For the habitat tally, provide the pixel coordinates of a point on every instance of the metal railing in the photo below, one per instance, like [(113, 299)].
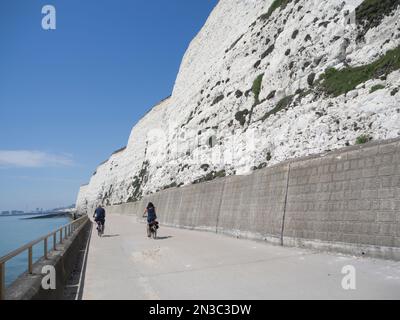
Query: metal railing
[(58, 236)]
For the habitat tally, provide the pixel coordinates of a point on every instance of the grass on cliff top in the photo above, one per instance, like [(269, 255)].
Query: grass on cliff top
[(338, 82), (277, 4)]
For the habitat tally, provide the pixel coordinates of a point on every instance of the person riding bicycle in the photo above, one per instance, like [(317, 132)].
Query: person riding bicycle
[(100, 216), (150, 212)]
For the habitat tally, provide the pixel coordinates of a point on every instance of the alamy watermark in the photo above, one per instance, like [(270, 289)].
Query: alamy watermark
[(349, 280), (49, 20), (49, 279)]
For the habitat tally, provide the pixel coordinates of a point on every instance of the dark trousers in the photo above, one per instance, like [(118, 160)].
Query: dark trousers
[(148, 230)]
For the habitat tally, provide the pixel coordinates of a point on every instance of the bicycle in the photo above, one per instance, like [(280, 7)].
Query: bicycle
[(100, 228), (153, 229)]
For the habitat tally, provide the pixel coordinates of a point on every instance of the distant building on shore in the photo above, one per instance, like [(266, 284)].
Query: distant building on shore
[(5, 213), (13, 212)]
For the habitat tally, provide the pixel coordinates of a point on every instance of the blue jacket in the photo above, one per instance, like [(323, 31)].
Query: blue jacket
[(100, 214), (151, 215)]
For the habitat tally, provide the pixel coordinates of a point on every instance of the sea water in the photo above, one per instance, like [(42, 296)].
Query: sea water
[(16, 231)]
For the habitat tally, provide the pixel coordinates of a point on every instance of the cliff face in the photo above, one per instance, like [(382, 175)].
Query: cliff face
[(264, 81)]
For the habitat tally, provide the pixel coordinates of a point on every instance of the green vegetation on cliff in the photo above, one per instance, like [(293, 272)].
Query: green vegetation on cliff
[(277, 4), (257, 88), (138, 181), (211, 176), (370, 13), (376, 88), (281, 105), (337, 82), (364, 138)]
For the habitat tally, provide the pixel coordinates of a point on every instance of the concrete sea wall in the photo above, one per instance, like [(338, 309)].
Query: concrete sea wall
[(347, 201)]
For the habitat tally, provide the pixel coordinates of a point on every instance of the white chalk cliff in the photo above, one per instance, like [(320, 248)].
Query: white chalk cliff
[(258, 86)]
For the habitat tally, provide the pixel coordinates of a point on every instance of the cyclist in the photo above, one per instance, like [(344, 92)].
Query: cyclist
[(150, 212), (100, 218)]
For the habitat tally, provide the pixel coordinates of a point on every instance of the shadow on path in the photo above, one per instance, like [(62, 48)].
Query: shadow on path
[(110, 235), (164, 238)]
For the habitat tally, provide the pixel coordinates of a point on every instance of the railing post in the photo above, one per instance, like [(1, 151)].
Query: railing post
[(65, 232), (45, 248), (2, 281), (30, 264)]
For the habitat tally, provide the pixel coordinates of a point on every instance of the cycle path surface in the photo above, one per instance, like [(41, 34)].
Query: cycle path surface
[(195, 265)]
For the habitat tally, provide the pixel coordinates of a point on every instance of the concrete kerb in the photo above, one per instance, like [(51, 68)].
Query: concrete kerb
[(359, 250)]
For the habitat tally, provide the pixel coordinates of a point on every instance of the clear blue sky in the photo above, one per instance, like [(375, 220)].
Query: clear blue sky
[(69, 97)]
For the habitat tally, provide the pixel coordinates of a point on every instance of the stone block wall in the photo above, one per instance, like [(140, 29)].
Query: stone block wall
[(347, 200)]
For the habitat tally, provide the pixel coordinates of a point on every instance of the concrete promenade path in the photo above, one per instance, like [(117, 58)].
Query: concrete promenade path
[(185, 264)]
